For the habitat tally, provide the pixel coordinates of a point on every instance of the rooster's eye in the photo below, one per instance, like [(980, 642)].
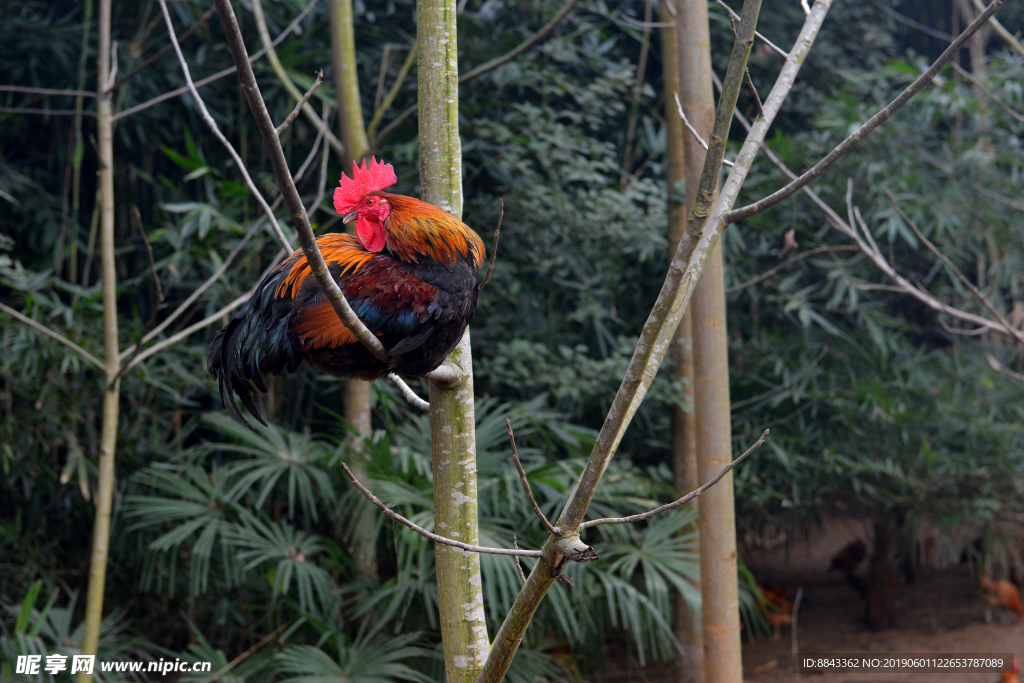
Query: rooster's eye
[(369, 202)]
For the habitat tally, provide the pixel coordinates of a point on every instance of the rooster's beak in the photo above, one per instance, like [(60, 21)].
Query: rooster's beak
[(350, 217)]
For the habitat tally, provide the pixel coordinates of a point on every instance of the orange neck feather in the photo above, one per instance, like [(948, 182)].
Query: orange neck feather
[(416, 229)]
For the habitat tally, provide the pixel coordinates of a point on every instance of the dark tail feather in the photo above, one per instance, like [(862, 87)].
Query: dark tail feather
[(224, 367), (254, 343)]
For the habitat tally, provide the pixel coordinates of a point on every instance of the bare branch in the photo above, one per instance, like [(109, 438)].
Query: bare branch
[(284, 180), (205, 322), (220, 136), (693, 131), (526, 484), (494, 247), (778, 50), (409, 394), (431, 536), (757, 98), (998, 367), (1010, 329), (632, 519), (302, 102), (47, 91), (799, 257), (46, 112), (322, 191), (792, 380), (286, 80), (954, 330), (389, 99), (805, 7), (776, 423), (53, 335), (981, 86), (983, 191), (1001, 30), (519, 566), (644, 24), (137, 219), (903, 286), (217, 76), (923, 28), (167, 48), (880, 117)]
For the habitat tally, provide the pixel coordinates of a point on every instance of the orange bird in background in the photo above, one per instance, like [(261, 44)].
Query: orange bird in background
[(411, 274)]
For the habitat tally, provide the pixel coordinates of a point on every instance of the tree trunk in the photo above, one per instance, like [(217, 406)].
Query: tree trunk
[(684, 452), (353, 136), (111, 386), (883, 575), (719, 590), (452, 420)]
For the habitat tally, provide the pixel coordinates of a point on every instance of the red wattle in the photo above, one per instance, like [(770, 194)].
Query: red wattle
[(370, 234)]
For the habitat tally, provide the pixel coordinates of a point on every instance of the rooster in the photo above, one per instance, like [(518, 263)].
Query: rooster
[(1000, 593), (410, 274), (778, 608)]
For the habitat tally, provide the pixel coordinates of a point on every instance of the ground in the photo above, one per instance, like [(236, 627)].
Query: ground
[(940, 611)]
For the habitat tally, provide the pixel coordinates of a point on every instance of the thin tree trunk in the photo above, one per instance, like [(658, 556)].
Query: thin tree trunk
[(684, 456), (452, 420), (111, 386), (352, 132), (719, 590)]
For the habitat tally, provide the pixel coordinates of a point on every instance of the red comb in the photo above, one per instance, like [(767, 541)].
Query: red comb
[(363, 181)]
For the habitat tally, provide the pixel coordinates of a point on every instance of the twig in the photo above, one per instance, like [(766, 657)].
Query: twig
[(494, 247), (519, 566), (50, 112), (323, 168), (47, 91), (966, 333), (54, 335), (389, 99), (286, 80), (242, 657), (983, 191), (799, 257), (757, 98), (1001, 30), (774, 390), (205, 322), (486, 67), (632, 519), (645, 24), (272, 144), (981, 86), (382, 74), (431, 536), (776, 423), (778, 50), (302, 102), (1010, 329), (526, 484), (693, 131), (167, 48), (923, 28), (220, 136), (806, 8), (149, 252), (880, 117), (217, 76), (999, 367), (409, 394)]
